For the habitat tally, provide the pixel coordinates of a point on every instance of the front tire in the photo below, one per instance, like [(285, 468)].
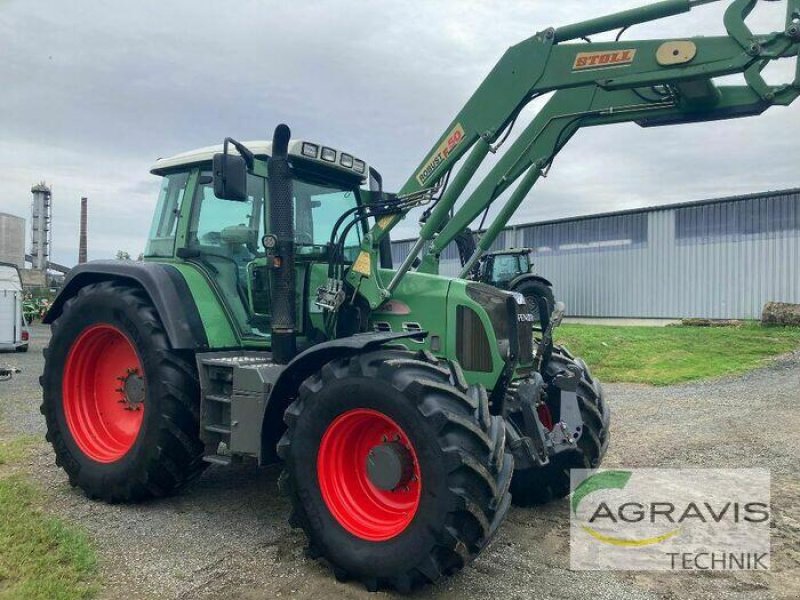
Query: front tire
[(122, 408), (440, 487), (536, 486)]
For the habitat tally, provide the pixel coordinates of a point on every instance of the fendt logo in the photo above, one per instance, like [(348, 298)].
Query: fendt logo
[(603, 60)]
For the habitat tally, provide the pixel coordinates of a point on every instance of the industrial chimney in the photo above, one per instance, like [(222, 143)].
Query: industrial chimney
[(82, 240)]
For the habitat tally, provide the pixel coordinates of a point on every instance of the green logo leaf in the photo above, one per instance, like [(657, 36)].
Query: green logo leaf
[(605, 480)]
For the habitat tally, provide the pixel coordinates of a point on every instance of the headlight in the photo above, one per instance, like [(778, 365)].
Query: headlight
[(310, 150), (329, 154)]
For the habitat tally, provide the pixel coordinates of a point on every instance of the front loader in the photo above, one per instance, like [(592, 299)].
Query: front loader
[(268, 324)]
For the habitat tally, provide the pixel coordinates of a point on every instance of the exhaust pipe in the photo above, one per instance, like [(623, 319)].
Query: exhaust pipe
[(281, 199)]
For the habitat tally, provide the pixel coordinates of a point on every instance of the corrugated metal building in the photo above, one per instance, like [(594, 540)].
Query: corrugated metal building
[(719, 259)]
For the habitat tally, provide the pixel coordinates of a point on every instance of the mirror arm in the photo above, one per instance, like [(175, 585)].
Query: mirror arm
[(377, 179), (243, 150)]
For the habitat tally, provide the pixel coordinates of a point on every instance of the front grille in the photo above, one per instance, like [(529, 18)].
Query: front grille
[(472, 343), (510, 319), (524, 338), (382, 327), (495, 303)]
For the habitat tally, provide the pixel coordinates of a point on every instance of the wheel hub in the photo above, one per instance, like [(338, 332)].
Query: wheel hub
[(390, 466), (132, 390)]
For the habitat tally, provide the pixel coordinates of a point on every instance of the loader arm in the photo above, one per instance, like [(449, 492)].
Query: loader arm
[(652, 83)]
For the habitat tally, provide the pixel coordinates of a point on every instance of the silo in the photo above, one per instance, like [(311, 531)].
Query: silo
[(12, 240)]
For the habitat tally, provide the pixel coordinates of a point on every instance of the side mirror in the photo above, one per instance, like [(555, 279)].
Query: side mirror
[(230, 177)]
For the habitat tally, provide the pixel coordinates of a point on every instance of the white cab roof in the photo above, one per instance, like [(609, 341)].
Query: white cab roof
[(263, 148)]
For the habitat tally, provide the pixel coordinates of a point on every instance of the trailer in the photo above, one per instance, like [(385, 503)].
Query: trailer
[(13, 330)]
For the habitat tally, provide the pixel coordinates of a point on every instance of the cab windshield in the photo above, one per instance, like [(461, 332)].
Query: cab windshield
[(318, 208), (508, 266)]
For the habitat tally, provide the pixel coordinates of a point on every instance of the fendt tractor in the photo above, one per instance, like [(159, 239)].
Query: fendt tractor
[(511, 269), (268, 323)]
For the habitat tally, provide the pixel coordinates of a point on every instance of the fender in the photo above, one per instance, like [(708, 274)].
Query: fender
[(164, 285), (528, 277), (306, 364)]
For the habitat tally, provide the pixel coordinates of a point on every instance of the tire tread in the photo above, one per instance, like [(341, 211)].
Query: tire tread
[(479, 470)]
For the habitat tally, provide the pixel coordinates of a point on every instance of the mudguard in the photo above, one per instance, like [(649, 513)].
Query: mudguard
[(164, 284), (528, 277), (303, 366)]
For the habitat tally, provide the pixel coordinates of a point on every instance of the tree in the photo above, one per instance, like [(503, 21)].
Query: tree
[(123, 255)]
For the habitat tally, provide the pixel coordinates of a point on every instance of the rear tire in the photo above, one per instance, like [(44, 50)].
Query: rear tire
[(541, 485), (458, 475), (115, 445)]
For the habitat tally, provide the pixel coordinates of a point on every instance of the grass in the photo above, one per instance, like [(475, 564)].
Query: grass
[(668, 355), (13, 451), (41, 557)]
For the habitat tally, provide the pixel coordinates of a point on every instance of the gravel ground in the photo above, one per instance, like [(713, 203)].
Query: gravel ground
[(227, 535)]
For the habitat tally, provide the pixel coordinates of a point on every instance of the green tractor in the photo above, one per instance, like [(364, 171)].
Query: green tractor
[(267, 322), (511, 269), (30, 310)]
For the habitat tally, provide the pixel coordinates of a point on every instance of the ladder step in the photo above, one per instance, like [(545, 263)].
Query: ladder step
[(218, 429), (216, 398), (216, 459)]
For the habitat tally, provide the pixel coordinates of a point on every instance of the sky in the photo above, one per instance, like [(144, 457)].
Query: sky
[(92, 93)]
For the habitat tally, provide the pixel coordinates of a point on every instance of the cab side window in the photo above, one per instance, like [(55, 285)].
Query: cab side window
[(161, 241), (227, 235)]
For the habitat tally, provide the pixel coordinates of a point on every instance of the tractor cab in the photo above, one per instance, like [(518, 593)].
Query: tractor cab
[(224, 237), (502, 267)]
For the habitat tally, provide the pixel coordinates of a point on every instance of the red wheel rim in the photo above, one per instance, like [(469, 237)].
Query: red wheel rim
[(102, 417), (545, 416), (363, 509)]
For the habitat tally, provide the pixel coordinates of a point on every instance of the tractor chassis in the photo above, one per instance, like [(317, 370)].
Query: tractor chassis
[(243, 394), (238, 391)]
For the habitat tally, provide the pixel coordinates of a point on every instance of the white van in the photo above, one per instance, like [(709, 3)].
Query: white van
[(13, 333)]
